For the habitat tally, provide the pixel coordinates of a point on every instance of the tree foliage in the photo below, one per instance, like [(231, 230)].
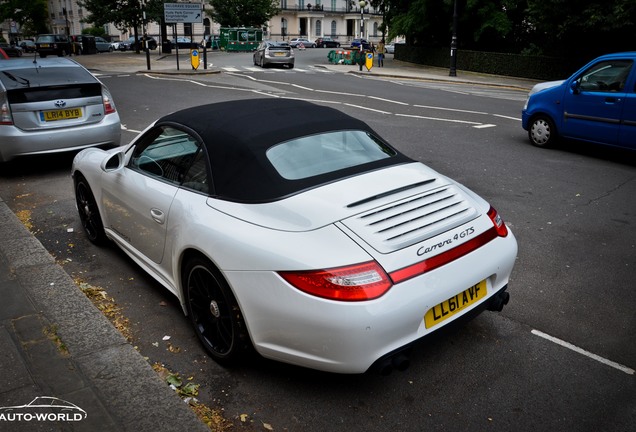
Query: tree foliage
[(557, 27), (247, 13), (31, 15), (124, 14)]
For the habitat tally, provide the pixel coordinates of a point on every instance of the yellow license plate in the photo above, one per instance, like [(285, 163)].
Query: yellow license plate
[(279, 54), (455, 304), (44, 45), (62, 114)]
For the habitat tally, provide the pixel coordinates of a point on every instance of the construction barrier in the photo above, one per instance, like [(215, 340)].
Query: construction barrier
[(347, 57)]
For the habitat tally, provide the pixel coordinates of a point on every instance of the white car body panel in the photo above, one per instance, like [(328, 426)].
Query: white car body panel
[(315, 229)]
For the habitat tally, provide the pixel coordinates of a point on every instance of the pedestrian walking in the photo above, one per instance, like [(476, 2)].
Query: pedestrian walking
[(381, 50)]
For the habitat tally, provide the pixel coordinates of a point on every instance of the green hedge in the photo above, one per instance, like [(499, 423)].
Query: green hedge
[(515, 65)]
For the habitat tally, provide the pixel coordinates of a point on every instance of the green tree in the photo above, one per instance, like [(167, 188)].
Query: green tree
[(124, 14), (582, 27), (31, 15), (248, 13)]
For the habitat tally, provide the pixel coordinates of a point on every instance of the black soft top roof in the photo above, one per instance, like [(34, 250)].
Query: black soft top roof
[(238, 133)]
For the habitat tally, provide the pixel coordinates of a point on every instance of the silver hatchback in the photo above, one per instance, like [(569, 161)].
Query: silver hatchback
[(53, 105), (274, 53)]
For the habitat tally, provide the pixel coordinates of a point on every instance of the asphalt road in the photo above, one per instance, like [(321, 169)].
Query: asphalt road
[(572, 210)]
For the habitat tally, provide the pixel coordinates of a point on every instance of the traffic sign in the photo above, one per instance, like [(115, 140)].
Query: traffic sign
[(182, 13), (368, 60), (194, 59)]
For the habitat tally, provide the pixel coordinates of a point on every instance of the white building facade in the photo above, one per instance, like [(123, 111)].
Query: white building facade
[(338, 19)]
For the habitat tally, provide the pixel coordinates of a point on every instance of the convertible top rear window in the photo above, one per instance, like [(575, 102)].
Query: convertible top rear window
[(324, 153)]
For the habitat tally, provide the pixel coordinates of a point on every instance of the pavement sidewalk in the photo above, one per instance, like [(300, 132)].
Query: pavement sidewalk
[(96, 369), (55, 343)]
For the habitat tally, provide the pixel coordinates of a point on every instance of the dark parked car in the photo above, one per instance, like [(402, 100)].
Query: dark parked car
[(53, 44), (28, 46), (130, 44), (597, 104), (357, 42), (11, 50), (83, 44), (274, 53), (327, 42)]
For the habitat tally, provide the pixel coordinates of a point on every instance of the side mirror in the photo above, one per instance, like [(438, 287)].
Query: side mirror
[(575, 86), (113, 163)]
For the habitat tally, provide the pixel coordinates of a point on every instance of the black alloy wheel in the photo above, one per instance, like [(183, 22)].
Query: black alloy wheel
[(88, 211), (214, 312)]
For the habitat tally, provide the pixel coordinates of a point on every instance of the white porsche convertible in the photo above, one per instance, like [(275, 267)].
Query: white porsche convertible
[(305, 235)]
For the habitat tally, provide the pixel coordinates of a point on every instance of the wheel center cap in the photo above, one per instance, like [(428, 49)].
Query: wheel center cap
[(214, 309)]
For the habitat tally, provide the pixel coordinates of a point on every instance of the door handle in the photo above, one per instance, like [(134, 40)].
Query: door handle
[(158, 216)]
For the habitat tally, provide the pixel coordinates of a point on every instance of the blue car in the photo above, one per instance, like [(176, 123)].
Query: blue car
[(597, 104)]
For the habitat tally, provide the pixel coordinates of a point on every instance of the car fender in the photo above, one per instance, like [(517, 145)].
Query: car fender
[(548, 102), (235, 245)]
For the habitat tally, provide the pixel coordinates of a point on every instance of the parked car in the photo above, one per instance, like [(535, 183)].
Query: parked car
[(184, 42), (130, 44), (28, 46), (115, 45), (211, 41), (11, 50), (53, 105), (53, 44), (274, 53), (327, 42), (596, 104), (357, 42), (103, 45), (83, 44), (297, 42), (305, 235)]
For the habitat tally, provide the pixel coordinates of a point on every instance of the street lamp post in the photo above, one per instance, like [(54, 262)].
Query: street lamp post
[(453, 62), (362, 5), (145, 36)]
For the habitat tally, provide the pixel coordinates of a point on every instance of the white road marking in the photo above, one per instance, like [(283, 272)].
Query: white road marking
[(593, 356)]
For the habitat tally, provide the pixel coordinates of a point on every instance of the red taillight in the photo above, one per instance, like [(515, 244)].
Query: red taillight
[(358, 282), (499, 223), (5, 113), (109, 105)]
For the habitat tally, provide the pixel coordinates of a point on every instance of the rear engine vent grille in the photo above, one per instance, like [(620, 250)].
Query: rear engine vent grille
[(414, 219)]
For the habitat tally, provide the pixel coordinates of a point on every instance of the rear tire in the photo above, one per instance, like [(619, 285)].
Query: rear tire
[(542, 132), (214, 312)]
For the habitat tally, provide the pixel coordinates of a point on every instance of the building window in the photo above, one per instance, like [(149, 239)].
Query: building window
[(333, 29), (318, 28), (375, 29), (283, 4), (283, 27), (333, 5)]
